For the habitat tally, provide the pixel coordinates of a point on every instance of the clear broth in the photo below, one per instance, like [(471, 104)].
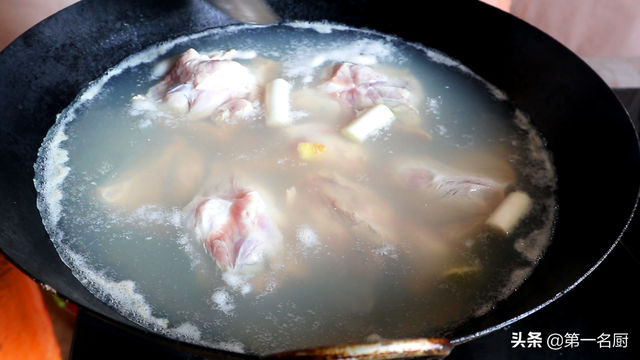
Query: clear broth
[(321, 289)]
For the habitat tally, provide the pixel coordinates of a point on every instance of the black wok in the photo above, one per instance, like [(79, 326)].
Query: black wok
[(594, 145)]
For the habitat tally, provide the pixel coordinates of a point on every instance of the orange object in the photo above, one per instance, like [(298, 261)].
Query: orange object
[(26, 331)]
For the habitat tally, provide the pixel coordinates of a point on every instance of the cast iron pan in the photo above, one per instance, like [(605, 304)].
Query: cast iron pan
[(594, 145)]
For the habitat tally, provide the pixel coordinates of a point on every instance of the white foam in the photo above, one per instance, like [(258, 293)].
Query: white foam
[(540, 166), (233, 346), (161, 68), (433, 106), (532, 246), (223, 301), (186, 331), (324, 27), (50, 174), (147, 215), (144, 123), (240, 54), (126, 299), (185, 243), (364, 51), (298, 114), (386, 250), (237, 282), (105, 168), (307, 238)]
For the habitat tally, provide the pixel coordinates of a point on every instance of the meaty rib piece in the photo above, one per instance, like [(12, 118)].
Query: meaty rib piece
[(197, 84), (234, 227), (232, 111), (320, 107), (363, 87), (365, 215), (447, 194), (172, 177), (348, 77)]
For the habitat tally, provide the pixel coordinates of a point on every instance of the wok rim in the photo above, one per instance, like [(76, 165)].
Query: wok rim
[(190, 347)]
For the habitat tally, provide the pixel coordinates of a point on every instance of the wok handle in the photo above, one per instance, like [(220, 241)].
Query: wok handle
[(432, 348)]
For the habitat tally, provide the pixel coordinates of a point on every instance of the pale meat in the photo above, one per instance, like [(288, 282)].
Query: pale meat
[(363, 87), (197, 84), (232, 112), (234, 227), (364, 214), (264, 70), (173, 177), (320, 107), (446, 194)]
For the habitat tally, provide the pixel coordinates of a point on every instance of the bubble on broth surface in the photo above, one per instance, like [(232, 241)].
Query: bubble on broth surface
[(223, 301), (142, 262), (534, 244), (366, 52), (124, 297), (386, 250), (306, 237)]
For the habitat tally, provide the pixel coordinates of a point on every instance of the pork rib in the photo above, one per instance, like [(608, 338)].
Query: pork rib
[(233, 226), (197, 84), (447, 194), (363, 87)]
